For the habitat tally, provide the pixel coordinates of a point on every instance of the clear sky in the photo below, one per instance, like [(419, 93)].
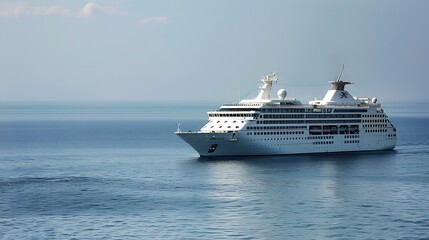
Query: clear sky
[(211, 50)]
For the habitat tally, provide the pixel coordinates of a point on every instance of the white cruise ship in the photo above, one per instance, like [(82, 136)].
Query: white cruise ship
[(275, 126)]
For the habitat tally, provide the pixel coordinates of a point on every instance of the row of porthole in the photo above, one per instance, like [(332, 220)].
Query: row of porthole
[(351, 141), (279, 139), (374, 125), (376, 130), (374, 120), (324, 142), (321, 137), (275, 127), (288, 144), (351, 136), (227, 127), (314, 143), (374, 116), (231, 115), (275, 133), (227, 121), (312, 138)]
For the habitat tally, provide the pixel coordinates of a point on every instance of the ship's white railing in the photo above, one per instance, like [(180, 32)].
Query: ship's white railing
[(244, 105)]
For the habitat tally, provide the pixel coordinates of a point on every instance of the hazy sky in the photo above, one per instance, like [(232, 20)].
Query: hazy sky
[(211, 50)]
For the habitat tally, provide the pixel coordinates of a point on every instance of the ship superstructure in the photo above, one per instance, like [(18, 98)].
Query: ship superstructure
[(274, 126)]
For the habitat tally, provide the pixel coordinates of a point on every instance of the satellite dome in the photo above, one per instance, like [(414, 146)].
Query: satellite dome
[(374, 100), (282, 94)]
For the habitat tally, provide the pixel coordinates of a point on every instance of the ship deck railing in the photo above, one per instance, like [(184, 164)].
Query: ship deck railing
[(244, 104)]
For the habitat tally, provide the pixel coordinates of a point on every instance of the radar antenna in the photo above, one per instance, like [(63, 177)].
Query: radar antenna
[(341, 73), (338, 84)]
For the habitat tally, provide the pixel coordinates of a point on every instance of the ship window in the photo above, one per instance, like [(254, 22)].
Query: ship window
[(220, 126), (236, 126), (229, 126)]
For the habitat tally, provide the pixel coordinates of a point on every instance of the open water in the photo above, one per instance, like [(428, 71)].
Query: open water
[(116, 171)]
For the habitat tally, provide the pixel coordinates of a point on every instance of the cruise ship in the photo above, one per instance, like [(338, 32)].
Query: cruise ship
[(277, 126)]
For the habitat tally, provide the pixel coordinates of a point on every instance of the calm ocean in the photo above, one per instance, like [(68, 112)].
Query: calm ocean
[(117, 171)]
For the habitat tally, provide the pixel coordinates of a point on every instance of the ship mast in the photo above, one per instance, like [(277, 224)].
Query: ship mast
[(265, 86), (338, 84)]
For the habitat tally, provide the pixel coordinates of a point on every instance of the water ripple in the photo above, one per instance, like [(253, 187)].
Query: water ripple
[(111, 185)]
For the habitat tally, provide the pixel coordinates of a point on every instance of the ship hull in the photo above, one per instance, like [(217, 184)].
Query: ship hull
[(236, 144)]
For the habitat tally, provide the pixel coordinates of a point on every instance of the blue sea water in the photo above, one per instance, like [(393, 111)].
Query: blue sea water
[(116, 171)]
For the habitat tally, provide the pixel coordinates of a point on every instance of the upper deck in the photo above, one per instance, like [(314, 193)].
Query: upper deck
[(335, 97)]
